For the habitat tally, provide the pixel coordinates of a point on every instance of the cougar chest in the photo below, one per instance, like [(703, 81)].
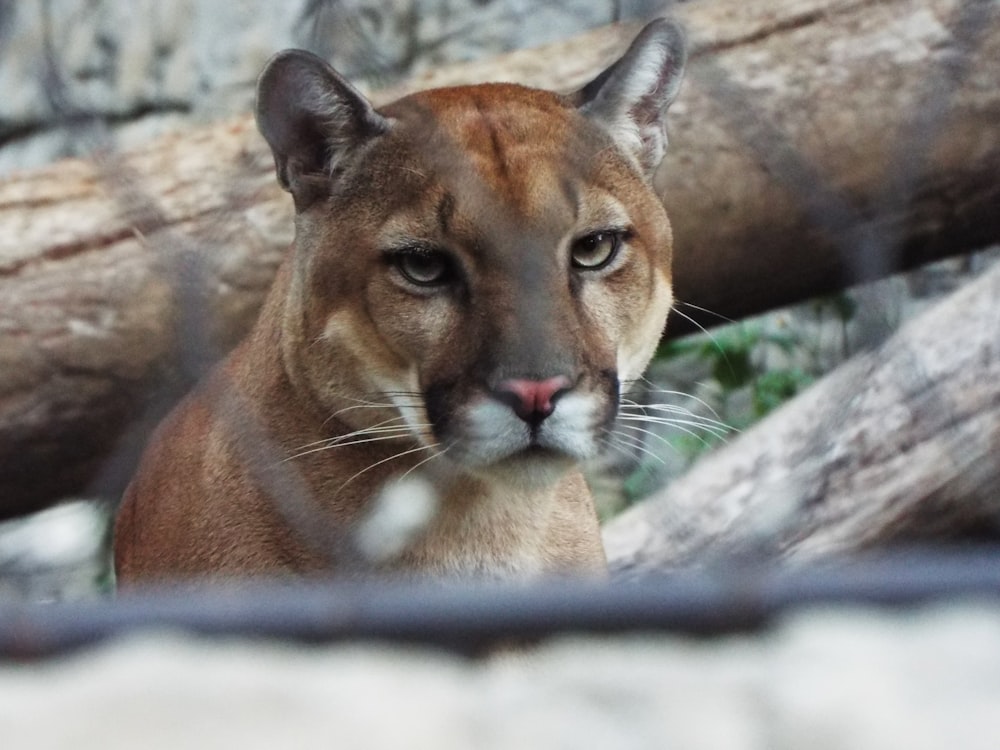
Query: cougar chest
[(492, 530)]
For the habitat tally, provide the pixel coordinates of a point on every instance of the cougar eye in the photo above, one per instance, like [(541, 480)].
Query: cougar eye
[(595, 250), (422, 266)]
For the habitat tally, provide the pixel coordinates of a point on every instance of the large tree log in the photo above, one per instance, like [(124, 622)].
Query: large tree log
[(805, 124), (897, 446)]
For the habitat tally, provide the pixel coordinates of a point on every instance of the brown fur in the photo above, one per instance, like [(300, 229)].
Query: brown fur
[(503, 179)]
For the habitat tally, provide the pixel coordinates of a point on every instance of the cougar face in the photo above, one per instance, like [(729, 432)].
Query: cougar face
[(476, 273), (487, 263)]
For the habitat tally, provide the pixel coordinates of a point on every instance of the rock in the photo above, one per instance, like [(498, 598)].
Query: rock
[(81, 71), (56, 554), (857, 680), (86, 74)]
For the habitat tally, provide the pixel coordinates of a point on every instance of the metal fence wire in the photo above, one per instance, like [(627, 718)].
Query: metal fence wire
[(473, 616)]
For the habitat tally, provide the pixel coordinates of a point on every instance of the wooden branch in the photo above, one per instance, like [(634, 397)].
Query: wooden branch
[(899, 445), (792, 165), (824, 143)]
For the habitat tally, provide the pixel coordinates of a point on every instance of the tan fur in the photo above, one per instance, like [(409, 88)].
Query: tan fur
[(503, 179)]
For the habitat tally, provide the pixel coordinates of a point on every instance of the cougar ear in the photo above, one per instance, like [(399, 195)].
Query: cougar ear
[(630, 99), (310, 115)]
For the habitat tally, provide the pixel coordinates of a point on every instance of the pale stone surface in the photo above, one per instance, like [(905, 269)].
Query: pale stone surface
[(821, 680), (56, 554), (77, 75), (75, 72)]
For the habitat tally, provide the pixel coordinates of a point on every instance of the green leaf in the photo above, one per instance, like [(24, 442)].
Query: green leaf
[(844, 306), (733, 368), (774, 388), (677, 347)]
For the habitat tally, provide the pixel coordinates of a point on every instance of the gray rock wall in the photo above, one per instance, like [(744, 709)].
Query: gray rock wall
[(76, 75)]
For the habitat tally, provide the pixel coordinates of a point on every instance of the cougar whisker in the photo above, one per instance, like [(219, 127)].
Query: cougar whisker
[(635, 444), (662, 438), (711, 337), (699, 308), (436, 454), (692, 422), (384, 424), (393, 457), (651, 388), (401, 433)]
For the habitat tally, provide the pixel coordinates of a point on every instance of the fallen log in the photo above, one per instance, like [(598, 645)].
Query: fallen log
[(793, 171), (898, 446)]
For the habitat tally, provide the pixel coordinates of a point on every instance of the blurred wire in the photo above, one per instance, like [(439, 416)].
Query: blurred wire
[(470, 617)]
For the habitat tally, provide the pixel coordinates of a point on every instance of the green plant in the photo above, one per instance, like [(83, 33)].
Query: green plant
[(744, 372)]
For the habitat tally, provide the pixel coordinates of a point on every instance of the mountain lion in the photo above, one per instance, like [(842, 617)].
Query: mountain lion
[(476, 271)]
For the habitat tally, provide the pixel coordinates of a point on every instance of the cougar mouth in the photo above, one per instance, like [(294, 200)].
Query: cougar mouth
[(489, 432), (536, 452)]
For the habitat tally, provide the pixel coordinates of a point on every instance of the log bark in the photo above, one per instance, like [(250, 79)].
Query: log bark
[(897, 446), (792, 172), (825, 143)]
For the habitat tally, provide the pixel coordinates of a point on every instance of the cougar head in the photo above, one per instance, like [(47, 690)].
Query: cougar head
[(486, 264)]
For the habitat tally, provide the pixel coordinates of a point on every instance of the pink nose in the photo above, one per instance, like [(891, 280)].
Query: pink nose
[(532, 400)]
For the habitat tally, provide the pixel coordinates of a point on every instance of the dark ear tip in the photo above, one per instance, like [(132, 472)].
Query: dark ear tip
[(287, 56), (668, 33), (284, 64), (281, 85)]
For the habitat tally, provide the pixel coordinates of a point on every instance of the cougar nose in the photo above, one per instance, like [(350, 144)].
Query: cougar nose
[(532, 400)]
